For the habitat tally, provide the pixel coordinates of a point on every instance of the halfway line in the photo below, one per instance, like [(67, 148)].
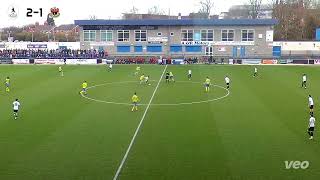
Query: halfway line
[(138, 129)]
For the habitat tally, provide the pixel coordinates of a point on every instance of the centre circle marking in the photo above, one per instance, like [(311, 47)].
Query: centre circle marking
[(168, 104)]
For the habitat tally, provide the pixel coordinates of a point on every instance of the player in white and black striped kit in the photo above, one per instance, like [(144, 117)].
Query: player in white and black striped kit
[(312, 121), (311, 104), (227, 80), (16, 106), (189, 74), (304, 81)]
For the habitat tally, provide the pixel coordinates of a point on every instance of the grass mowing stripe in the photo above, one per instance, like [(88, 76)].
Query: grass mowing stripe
[(138, 128)]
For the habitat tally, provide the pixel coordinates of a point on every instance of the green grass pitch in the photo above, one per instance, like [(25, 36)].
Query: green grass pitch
[(247, 135)]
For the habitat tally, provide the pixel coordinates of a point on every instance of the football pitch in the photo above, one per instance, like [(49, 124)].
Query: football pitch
[(180, 132)]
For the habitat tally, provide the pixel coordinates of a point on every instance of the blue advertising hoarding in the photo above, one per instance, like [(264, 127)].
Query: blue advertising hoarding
[(318, 34)]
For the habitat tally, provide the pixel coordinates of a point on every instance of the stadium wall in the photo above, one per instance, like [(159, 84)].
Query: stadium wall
[(299, 48), (40, 45), (159, 61), (168, 38)]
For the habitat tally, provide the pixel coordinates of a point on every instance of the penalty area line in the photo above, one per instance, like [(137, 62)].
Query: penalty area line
[(138, 128)]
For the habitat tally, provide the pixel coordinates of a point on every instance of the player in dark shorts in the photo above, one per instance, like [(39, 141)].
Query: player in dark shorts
[(311, 104), (311, 107), (312, 121), (167, 77), (189, 74)]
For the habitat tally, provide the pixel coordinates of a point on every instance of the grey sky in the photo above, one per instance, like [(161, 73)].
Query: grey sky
[(103, 9)]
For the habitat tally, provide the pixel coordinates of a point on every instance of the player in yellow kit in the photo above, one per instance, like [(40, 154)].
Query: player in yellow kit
[(60, 71), (137, 70), (171, 76), (84, 88), (135, 100), (207, 84), (142, 79), (7, 84)]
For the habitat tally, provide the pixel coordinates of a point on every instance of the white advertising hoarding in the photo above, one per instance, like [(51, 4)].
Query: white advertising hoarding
[(317, 61), (81, 61), (45, 61), (158, 39), (40, 45), (251, 61), (104, 61), (20, 61), (102, 43), (300, 46)]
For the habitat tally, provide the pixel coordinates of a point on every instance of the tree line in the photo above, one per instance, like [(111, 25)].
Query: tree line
[(21, 34), (298, 19)]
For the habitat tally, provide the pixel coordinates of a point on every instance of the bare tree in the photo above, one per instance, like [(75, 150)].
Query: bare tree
[(254, 8), (315, 4), (134, 10), (297, 19), (155, 10), (206, 6)]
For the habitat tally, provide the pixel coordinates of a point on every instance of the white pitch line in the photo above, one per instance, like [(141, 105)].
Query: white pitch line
[(138, 129), (167, 104)]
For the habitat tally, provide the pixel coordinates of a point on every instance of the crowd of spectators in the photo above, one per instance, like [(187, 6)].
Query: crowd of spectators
[(136, 60), (191, 60), (50, 54), (89, 54)]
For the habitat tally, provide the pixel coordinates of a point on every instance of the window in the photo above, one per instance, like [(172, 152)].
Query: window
[(187, 35), (89, 35), (172, 34), (106, 35), (197, 35), (140, 35), (159, 33), (123, 35), (227, 35), (247, 35), (206, 35)]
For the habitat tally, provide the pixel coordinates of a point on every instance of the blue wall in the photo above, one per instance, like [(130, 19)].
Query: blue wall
[(154, 48), (124, 48), (176, 48), (138, 49), (193, 48), (276, 51)]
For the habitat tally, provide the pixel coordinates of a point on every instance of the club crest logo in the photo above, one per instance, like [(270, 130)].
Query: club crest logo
[(12, 11), (54, 12)]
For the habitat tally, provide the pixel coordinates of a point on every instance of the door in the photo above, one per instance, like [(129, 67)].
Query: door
[(242, 51), (209, 51), (235, 51)]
